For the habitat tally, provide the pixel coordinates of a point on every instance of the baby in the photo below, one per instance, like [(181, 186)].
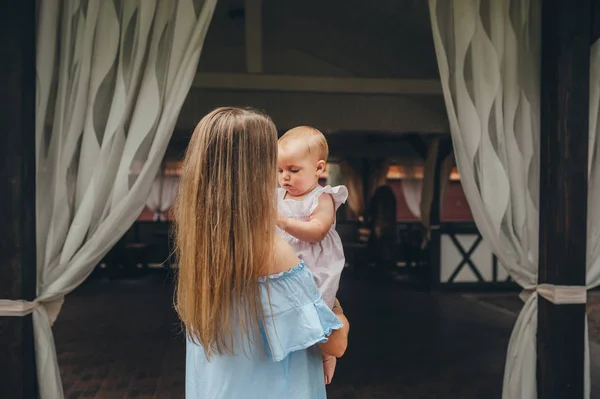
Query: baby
[(307, 212)]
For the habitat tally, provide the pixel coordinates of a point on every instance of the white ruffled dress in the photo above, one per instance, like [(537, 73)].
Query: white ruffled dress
[(326, 258)]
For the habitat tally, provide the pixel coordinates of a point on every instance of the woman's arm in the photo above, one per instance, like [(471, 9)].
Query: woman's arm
[(317, 227), (338, 340), (284, 258)]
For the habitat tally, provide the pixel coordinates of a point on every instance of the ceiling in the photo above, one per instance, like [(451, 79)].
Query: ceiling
[(377, 39), (383, 39)]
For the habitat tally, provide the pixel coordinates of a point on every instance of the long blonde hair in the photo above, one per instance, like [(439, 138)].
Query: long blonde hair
[(224, 226)]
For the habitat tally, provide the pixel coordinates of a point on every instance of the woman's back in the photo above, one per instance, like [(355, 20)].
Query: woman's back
[(284, 361)]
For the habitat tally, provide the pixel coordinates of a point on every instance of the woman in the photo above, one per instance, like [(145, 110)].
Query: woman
[(251, 310)]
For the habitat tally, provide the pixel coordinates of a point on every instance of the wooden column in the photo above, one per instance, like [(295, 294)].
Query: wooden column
[(563, 193), (365, 173), (17, 202), (254, 39), (434, 245), (595, 21)]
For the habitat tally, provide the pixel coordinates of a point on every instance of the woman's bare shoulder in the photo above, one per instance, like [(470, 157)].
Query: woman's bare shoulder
[(284, 257)]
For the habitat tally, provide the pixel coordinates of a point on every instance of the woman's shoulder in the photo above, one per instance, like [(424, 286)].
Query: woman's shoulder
[(284, 258)]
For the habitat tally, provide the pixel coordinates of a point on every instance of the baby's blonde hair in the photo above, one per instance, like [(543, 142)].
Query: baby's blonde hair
[(315, 141), (224, 215)]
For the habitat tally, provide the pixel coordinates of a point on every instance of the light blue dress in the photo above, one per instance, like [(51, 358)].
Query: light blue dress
[(291, 368)]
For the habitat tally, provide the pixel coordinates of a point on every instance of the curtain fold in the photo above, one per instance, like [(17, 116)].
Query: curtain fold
[(488, 55), (334, 174), (351, 176), (378, 170), (445, 171), (428, 185), (593, 218), (352, 171), (412, 189), (593, 228), (112, 77), (169, 193), (162, 196)]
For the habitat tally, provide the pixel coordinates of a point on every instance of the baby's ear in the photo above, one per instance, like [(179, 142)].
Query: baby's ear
[(321, 166)]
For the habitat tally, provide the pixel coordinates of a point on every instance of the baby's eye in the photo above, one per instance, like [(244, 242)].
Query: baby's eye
[(294, 170), (279, 170)]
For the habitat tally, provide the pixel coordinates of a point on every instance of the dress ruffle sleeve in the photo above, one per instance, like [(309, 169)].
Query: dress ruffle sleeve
[(338, 193), (296, 317)]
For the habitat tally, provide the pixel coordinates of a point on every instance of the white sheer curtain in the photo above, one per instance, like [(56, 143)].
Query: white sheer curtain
[(162, 195), (488, 56), (334, 174), (413, 187), (412, 190), (351, 176), (593, 273), (378, 171), (445, 172), (593, 228), (112, 77)]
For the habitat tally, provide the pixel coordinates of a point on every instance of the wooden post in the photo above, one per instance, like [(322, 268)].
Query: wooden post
[(366, 182), (17, 179), (254, 39), (563, 193), (435, 234)]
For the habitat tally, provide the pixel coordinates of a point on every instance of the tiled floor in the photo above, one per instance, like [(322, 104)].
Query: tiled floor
[(121, 339)]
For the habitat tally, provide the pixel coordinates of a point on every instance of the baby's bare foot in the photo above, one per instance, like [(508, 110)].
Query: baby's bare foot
[(329, 364)]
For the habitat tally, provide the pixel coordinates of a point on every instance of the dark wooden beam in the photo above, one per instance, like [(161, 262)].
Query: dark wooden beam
[(434, 245), (418, 144), (563, 193), (595, 21), (445, 149), (254, 35), (17, 179), (365, 174)]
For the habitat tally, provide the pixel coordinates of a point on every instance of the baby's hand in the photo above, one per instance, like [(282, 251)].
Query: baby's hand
[(329, 363)]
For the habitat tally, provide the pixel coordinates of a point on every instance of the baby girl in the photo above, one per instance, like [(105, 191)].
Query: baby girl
[(307, 212)]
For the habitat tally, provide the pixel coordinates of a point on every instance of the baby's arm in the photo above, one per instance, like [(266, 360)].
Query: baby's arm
[(317, 227)]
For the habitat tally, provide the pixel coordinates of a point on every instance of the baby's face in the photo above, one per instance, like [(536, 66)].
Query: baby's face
[(298, 171)]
